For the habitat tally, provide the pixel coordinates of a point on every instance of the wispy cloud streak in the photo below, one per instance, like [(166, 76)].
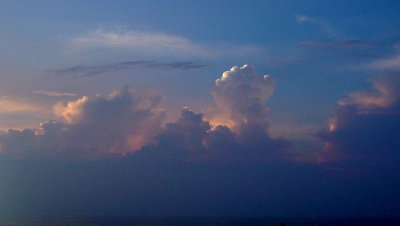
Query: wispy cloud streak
[(153, 44), (86, 71), (54, 94), (323, 25)]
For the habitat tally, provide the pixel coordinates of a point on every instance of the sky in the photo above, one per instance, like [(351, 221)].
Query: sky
[(200, 108)]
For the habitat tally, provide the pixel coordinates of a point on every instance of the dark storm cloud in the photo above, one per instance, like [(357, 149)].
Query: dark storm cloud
[(86, 71)]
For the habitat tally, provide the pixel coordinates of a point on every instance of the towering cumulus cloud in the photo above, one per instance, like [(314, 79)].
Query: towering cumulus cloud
[(240, 95), (235, 129), (367, 122), (98, 127)]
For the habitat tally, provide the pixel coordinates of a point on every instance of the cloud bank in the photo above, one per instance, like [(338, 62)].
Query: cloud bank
[(130, 120), (94, 128), (218, 163)]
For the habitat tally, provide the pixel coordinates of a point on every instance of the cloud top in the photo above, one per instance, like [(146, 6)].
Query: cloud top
[(240, 96)]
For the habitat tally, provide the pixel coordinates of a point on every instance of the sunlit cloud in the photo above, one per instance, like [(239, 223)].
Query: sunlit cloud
[(240, 95), (127, 121), (9, 105)]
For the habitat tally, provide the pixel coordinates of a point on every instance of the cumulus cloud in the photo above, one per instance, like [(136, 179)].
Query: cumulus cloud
[(96, 127), (384, 94), (191, 138), (152, 43), (128, 120), (366, 123), (236, 129), (240, 96)]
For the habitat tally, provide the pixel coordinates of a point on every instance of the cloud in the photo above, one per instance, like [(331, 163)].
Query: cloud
[(322, 24), (130, 120), (367, 123), (96, 127), (154, 44), (18, 113), (384, 94), (8, 105), (240, 96), (54, 94), (191, 138), (236, 129), (192, 167), (387, 64), (86, 71)]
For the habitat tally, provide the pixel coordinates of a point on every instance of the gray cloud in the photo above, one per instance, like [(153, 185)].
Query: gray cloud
[(191, 138), (86, 71), (54, 94)]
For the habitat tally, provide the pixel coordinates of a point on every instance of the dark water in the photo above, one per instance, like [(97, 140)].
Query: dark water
[(198, 221)]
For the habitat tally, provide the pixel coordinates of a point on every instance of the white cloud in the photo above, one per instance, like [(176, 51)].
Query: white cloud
[(153, 44), (240, 95)]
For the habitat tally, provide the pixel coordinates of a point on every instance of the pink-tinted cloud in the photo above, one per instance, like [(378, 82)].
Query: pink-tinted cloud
[(95, 128)]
